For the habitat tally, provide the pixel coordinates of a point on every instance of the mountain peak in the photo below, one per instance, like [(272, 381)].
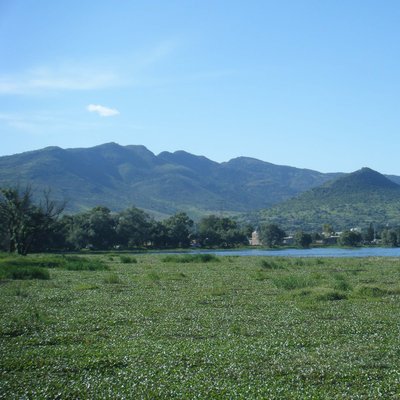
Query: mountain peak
[(363, 179)]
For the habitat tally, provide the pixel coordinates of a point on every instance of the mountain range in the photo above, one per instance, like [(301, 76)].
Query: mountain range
[(119, 177), (122, 176)]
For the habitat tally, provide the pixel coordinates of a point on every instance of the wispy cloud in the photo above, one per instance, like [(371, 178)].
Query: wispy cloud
[(79, 75), (102, 110), (61, 78), (44, 123)]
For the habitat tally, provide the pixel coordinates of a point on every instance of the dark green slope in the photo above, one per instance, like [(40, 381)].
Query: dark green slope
[(356, 199), (263, 184), (121, 176)]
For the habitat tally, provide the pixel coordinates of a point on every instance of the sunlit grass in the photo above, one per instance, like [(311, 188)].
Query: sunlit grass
[(232, 327)]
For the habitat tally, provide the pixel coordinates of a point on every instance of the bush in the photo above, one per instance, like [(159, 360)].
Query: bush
[(128, 260)]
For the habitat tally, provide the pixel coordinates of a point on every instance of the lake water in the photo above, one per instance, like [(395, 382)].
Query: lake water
[(319, 252)]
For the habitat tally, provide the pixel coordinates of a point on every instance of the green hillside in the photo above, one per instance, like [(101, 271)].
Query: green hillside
[(121, 176), (357, 199)]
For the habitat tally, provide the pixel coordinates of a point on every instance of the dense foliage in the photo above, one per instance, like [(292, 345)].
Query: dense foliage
[(26, 226), (30, 227)]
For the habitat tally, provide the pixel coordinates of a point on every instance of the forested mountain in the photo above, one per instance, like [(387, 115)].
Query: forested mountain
[(353, 200), (121, 176)]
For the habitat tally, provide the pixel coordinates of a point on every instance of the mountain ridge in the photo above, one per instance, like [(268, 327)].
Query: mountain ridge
[(122, 176)]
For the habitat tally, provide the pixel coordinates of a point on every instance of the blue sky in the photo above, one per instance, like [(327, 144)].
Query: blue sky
[(312, 84)]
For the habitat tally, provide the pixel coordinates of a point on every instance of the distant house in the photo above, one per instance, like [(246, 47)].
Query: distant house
[(332, 239), (255, 239)]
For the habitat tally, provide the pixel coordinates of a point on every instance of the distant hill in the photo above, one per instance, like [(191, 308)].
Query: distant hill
[(121, 176), (356, 199)]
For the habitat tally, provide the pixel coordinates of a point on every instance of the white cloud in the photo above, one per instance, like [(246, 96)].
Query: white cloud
[(102, 111)]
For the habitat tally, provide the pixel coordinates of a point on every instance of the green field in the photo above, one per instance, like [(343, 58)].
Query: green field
[(151, 326)]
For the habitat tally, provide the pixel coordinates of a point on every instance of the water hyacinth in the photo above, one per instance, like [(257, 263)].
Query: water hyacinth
[(228, 329)]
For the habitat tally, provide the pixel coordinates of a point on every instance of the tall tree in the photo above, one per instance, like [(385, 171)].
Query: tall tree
[(350, 238), (303, 239), (389, 237), (221, 231), (94, 228), (25, 222)]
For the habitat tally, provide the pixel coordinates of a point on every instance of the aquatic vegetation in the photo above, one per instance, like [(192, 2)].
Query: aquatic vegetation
[(230, 329)]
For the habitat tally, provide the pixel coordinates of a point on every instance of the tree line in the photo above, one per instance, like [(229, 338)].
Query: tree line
[(29, 226)]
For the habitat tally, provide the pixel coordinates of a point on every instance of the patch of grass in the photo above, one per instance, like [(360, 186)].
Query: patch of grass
[(31, 261), (23, 272), (77, 263), (190, 258), (261, 275), (331, 295), (293, 281), (112, 279), (128, 260), (342, 283), (372, 291), (153, 276), (269, 264), (177, 276), (86, 286)]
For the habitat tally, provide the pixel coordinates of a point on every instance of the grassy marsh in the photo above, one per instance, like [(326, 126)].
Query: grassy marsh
[(229, 327)]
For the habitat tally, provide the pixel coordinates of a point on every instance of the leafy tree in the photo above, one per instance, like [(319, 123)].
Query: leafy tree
[(271, 235), (303, 239), (350, 238), (178, 228), (369, 234), (134, 228), (25, 222), (221, 231), (159, 234), (94, 228)]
